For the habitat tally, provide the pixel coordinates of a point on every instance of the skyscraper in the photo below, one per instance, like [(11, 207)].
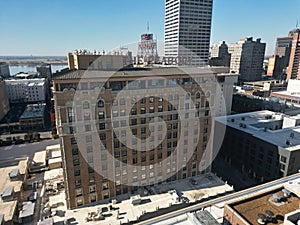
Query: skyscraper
[(294, 63), (188, 29), (247, 58)]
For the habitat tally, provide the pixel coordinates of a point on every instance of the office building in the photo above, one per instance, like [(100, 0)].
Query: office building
[(4, 105), (83, 60), (294, 63), (26, 90), (276, 64), (44, 71), (219, 55), (134, 150), (4, 70), (247, 57), (188, 29), (264, 144)]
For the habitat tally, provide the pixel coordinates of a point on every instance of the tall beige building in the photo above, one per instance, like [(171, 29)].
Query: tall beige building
[(135, 127), (247, 57), (4, 104)]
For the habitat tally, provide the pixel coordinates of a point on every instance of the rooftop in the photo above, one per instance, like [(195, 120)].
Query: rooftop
[(250, 208), (137, 72), (33, 111), (272, 127)]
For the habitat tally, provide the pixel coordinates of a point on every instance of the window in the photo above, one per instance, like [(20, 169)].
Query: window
[(77, 182), (88, 128), (90, 170), (115, 102), (133, 121), (86, 105), (102, 136), (92, 188), (122, 113), (283, 159), (101, 115), (86, 116), (133, 111), (73, 141), (88, 138), (100, 103), (89, 149), (151, 109), (123, 123), (76, 172), (75, 151), (151, 99), (143, 120), (115, 113), (198, 95), (122, 101), (78, 192), (187, 96), (76, 162), (160, 108), (116, 144), (143, 110), (134, 131), (102, 126)]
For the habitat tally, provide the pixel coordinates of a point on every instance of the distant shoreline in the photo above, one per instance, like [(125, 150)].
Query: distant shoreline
[(33, 60)]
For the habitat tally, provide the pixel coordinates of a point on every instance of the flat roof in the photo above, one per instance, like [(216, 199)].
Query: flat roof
[(27, 210), (33, 111), (251, 207), (39, 158), (136, 72), (53, 174), (205, 218), (261, 124), (7, 192)]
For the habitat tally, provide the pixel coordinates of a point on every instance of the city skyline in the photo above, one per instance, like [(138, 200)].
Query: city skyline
[(55, 28)]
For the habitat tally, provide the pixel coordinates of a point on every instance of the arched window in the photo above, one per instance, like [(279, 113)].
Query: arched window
[(198, 95), (100, 103), (187, 96)]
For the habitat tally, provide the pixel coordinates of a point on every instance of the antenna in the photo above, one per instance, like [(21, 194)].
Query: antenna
[(297, 24), (148, 26)]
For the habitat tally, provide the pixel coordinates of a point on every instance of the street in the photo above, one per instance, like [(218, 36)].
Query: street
[(24, 150)]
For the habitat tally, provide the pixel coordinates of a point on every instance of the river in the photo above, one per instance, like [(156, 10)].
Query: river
[(17, 69)]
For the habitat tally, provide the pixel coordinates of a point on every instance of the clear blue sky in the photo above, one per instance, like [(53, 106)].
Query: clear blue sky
[(40, 27)]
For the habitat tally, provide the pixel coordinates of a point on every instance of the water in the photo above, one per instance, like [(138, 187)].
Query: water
[(17, 69)]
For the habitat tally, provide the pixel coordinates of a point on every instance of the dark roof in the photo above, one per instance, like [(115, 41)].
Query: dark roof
[(137, 72)]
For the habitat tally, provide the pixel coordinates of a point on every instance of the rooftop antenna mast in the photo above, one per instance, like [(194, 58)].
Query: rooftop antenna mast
[(297, 24), (148, 26)]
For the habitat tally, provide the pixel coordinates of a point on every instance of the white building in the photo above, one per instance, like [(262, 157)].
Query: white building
[(26, 90), (188, 29), (247, 57)]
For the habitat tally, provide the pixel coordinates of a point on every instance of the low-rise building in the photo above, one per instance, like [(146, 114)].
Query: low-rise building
[(33, 117), (11, 189), (291, 95), (263, 144)]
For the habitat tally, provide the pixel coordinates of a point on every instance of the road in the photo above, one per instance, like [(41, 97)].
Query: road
[(24, 150), (220, 200)]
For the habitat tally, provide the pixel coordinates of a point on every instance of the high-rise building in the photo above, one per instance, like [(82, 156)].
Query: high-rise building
[(4, 70), (44, 71), (247, 57), (281, 58), (188, 29), (111, 132), (4, 105), (219, 55), (294, 63)]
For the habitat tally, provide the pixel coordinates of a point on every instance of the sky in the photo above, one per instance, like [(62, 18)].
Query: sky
[(40, 27)]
